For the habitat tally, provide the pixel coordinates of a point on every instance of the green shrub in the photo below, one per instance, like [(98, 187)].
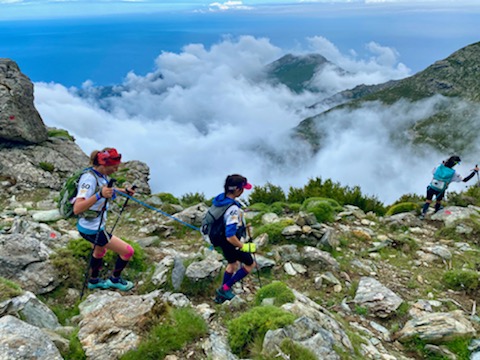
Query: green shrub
[(293, 207), (60, 133), (342, 194), (46, 166), (274, 230), (267, 194), (277, 290), (469, 197), (461, 280), (401, 208), (168, 198), (412, 198), (71, 265), (8, 289), (191, 199), (181, 327), (323, 209), (260, 207), (458, 346), (72, 260), (253, 324)]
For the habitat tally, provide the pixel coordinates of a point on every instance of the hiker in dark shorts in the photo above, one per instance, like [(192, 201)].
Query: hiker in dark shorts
[(443, 175), (234, 250), (89, 202)]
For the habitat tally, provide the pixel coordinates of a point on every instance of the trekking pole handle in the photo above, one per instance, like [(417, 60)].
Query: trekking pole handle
[(133, 187), (111, 182)]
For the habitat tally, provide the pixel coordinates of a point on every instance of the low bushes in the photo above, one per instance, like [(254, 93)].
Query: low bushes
[(277, 290), (254, 324)]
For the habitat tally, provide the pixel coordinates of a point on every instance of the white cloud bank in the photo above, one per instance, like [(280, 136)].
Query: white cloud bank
[(206, 113)]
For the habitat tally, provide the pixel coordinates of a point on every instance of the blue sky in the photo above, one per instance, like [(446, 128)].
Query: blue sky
[(190, 72), (35, 9)]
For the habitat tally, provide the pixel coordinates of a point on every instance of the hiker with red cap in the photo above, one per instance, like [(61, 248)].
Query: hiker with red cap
[(91, 207), (234, 250)]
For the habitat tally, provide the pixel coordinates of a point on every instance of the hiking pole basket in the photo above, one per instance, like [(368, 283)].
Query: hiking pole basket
[(85, 280)]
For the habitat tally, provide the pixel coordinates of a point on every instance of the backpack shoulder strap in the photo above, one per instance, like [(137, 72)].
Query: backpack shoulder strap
[(91, 171), (219, 211)]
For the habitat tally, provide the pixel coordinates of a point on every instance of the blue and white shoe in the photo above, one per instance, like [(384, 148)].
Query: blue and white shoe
[(98, 284), (119, 284)]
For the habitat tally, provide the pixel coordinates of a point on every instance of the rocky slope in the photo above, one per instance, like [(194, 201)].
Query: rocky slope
[(365, 287)]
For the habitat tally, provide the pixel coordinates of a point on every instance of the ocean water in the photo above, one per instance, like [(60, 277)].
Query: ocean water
[(105, 49)]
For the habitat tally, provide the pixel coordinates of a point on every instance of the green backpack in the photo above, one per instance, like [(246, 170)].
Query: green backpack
[(69, 192)]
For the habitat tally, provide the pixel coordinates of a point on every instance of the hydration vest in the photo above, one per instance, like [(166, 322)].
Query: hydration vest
[(441, 178)]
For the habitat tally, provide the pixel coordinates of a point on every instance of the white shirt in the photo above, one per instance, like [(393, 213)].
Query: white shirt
[(86, 188)]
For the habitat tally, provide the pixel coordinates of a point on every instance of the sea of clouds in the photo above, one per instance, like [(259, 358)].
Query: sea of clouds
[(205, 113)]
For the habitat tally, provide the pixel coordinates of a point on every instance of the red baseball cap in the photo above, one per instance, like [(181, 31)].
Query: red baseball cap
[(109, 157)]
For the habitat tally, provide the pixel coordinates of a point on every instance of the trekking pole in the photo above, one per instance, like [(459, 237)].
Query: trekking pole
[(123, 208), (478, 178), (85, 280), (249, 240)]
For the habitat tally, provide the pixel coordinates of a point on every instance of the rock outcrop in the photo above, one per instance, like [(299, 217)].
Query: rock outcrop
[(20, 122)]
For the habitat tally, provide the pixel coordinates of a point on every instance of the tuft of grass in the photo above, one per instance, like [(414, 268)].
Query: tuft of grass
[(461, 280), (277, 290), (458, 346), (295, 351), (361, 310), (168, 198), (46, 166), (60, 133), (75, 350), (254, 324), (181, 326), (9, 289)]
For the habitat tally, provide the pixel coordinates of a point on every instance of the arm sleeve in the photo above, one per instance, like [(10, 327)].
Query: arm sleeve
[(469, 176)]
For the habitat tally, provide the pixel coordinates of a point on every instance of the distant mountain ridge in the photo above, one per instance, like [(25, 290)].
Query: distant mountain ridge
[(297, 71), (452, 127)]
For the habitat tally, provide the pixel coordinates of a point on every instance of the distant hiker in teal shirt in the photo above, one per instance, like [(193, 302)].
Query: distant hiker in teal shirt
[(443, 175)]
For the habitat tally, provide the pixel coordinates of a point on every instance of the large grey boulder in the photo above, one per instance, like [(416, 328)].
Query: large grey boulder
[(31, 310), (20, 122), (20, 341), (25, 260)]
